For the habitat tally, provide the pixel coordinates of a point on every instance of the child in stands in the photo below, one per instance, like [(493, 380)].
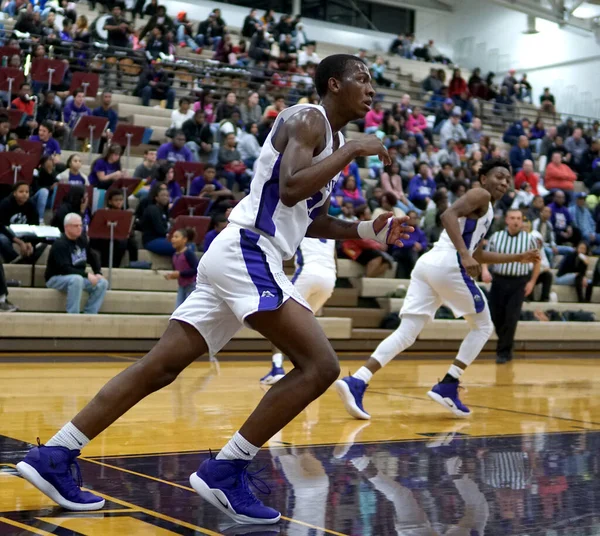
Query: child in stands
[(185, 263), (73, 175)]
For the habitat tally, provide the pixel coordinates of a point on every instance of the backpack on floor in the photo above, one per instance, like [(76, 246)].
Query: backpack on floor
[(390, 321), (579, 316)]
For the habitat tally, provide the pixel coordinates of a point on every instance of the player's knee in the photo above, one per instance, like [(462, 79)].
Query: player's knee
[(484, 325), (328, 372), (159, 375)]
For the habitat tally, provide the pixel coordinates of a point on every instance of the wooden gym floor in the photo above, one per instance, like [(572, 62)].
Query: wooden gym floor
[(527, 461)]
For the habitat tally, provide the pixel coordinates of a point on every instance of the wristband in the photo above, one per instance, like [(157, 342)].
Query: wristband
[(366, 230)]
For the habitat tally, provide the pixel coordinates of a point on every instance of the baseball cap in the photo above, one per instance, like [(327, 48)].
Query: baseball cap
[(580, 195), (181, 16), (448, 101), (456, 111)]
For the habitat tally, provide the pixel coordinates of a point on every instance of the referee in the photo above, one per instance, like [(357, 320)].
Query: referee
[(510, 282)]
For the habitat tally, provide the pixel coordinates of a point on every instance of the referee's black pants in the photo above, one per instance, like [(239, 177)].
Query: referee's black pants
[(506, 299)]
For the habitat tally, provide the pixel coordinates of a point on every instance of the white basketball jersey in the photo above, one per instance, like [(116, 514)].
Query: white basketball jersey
[(262, 210), (473, 231), (316, 255)]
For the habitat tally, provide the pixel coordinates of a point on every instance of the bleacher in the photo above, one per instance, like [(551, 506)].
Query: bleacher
[(136, 309)]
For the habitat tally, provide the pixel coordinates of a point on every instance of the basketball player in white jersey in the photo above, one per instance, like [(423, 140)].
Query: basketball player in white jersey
[(241, 282), (314, 279), (444, 275)]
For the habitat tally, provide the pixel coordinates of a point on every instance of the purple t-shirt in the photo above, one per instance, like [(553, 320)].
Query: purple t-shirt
[(168, 152), (76, 179), (186, 264), (199, 183), (102, 165), (50, 147)]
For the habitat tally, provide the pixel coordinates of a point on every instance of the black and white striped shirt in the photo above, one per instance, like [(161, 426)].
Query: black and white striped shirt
[(503, 242)]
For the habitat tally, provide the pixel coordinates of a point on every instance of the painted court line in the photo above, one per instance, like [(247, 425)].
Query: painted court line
[(187, 488), (32, 530)]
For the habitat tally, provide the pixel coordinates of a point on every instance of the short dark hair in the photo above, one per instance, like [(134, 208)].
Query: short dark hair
[(79, 90), (18, 184), (494, 163), (279, 97), (112, 194), (23, 84), (210, 166), (189, 233), (184, 99), (392, 199), (333, 66), (4, 119), (48, 125)]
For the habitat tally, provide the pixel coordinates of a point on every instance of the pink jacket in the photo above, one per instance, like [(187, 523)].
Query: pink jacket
[(413, 124), (392, 185), (373, 119)]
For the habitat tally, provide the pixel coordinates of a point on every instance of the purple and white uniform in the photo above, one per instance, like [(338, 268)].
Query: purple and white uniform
[(439, 278), (242, 272)]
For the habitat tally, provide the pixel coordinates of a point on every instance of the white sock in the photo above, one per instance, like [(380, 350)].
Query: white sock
[(404, 337), (238, 449), (364, 374), (455, 372), (278, 360), (70, 437), (3, 298)]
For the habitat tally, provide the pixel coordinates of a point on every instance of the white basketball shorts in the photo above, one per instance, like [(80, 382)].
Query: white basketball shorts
[(241, 274), (438, 279)]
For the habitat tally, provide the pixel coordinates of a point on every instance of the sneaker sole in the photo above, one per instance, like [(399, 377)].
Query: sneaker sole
[(348, 400), (32, 476), (210, 495), (442, 402), (271, 380)]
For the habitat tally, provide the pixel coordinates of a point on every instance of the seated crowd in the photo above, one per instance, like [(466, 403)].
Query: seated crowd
[(226, 136)]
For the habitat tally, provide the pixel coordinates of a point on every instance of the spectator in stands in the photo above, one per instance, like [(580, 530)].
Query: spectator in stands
[(4, 132), (226, 108), (407, 163), (207, 185), (105, 110), (220, 222), (583, 220), (288, 49), (155, 83), (231, 165), (523, 198), (147, 171), (559, 175), (476, 85), (73, 174), (166, 176), (429, 156), (49, 29), (374, 118), (248, 145), (185, 263), (50, 112), (432, 82), (464, 102), (160, 19), (50, 146), (519, 153), (157, 44), (452, 129), (407, 256), (450, 154), (562, 222), (66, 268), (545, 277), (155, 222), (264, 128), (388, 202), (537, 134), (43, 183), (224, 52), (421, 187), (443, 114), (416, 124), (535, 209), (572, 270), (378, 71), (185, 32), (107, 169), (559, 146), (432, 224), (577, 146), (457, 84), (74, 110), (548, 140), (524, 91), (16, 209), (457, 189), (118, 29), (347, 212), (547, 101), (82, 32), (475, 132), (544, 226), (504, 103), (527, 175), (260, 48), (251, 110), (26, 105), (516, 130), (251, 24), (510, 83), (367, 253), (175, 151), (115, 201), (277, 106), (207, 33), (308, 55), (182, 114), (348, 192), (565, 130), (199, 138), (445, 177)]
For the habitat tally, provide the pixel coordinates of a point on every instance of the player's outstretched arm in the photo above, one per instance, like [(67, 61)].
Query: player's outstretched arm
[(300, 139), (472, 204), (385, 229), (490, 257)]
